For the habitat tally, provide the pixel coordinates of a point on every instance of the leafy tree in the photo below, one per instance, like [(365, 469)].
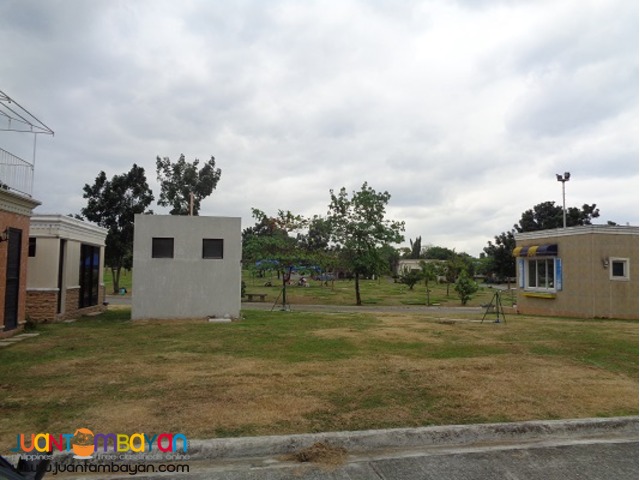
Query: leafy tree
[(433, 252), (465, 286), (416, 248), (501, 262), (429, 274), (390, 258), (452, 269), (318, 235), (467, 262), (181, 179), (548, 215), (112, 204), (359, 228), (271, 242)]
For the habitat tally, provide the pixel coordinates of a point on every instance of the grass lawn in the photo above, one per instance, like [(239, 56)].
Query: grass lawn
[(374, 292), (292, 372)]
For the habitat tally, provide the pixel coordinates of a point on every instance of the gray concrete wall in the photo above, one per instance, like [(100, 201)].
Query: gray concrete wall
[(187, 285)]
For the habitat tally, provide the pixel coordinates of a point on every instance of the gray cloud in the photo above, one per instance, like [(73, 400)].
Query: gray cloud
[(463, 112)]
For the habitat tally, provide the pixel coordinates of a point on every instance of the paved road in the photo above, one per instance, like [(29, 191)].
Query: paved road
[(604, 460)]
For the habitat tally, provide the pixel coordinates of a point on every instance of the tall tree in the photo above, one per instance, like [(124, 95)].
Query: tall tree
[(500, 258), (318, 235), (416, 248), (272, 242), (434, 252), (359, 228), (112, 204), (390, 257), (180, 180), (548, 215)]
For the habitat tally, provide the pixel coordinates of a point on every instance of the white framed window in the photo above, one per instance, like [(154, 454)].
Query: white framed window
[(540, 274), (619, 269)]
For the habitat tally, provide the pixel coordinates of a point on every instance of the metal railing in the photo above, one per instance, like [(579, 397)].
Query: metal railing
[(16, 174)]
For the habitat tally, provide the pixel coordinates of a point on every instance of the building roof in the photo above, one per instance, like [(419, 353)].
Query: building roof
[(581, 230), (61, 226)]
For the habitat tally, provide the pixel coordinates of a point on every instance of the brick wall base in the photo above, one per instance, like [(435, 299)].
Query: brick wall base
[(42, 305)]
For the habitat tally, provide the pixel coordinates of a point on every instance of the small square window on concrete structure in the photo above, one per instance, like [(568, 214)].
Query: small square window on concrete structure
[(212, 248), (162, 248)]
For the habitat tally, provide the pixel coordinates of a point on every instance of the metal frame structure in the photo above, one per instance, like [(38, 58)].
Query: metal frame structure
[(14, 112), (15, 172)]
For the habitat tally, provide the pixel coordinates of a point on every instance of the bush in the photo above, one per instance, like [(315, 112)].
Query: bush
[(410, 278), (465, 286)]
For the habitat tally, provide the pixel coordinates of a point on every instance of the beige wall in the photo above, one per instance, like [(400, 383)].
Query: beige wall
[(43, 268), (588, 290), (72, 264), (49, 231)]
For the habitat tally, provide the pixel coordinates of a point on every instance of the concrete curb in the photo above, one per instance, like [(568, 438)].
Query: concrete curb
[(371, 440)]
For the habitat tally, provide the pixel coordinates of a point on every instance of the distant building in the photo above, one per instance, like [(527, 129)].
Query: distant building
[(186, 267), (586, 272), (66, 263), (406, 265)]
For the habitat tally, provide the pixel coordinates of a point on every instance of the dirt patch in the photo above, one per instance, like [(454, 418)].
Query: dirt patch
[(321, 453)]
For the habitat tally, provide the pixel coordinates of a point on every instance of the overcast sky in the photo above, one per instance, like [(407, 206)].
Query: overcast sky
[(463, 111)]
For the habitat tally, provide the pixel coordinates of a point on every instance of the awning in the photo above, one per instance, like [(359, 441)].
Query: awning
[(546, 250)]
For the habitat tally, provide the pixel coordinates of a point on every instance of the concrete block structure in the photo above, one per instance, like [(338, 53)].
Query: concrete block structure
[(586, 272), (15, 211), (66, 264), (186, 267)]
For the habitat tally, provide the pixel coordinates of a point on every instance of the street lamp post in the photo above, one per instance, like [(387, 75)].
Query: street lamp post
[(563, 178)]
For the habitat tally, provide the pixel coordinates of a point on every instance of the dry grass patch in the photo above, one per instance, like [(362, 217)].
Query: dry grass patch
[(278, 373)]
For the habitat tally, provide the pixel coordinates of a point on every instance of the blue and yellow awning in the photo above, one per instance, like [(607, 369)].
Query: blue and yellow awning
[(546, 250)]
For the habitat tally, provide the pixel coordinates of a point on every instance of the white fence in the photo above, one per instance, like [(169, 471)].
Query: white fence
[(16, 174)]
